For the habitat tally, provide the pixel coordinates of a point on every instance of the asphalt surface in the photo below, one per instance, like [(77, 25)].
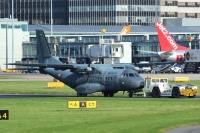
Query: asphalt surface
[(190, 129), (35, 77)]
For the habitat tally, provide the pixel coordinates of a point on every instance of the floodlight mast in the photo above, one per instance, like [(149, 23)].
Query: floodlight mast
[(51, 20), (12, 33)]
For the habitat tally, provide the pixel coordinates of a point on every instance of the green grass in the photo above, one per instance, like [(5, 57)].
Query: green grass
[(31, 87), (40, 87), (113, 115)]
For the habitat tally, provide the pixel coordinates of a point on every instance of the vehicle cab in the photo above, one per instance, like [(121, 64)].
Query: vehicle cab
[(153, 82)]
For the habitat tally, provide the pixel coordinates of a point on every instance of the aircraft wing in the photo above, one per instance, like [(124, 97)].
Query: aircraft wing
[(152, 64), (61, 66), (170, 52), (72, 67), (148, 52)]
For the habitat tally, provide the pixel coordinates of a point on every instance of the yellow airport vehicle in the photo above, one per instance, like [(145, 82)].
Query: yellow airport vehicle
[(159, 87)]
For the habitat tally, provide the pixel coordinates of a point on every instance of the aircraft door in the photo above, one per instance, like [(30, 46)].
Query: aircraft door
[(124, 81)]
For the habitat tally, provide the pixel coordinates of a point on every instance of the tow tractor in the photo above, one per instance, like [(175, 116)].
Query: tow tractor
[(159, 87)]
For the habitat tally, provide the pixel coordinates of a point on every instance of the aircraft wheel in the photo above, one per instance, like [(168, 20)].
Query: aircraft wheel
[(105, 94), (130, 94), (111, 94), (84, 95), (156, 92), (175, 93), (79, 95)]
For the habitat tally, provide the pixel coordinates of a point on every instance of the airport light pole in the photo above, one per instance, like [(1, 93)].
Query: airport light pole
[(12, 33), (51, 20), (7, 45)]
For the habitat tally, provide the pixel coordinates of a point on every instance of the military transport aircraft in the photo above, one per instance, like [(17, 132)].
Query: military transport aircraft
[(86, 78)]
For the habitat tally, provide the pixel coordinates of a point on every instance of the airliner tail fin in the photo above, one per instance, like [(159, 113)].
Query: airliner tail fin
[(125, 30), (167, 42)]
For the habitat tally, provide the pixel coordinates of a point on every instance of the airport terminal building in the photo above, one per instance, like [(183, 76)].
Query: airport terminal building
[(77, 40)]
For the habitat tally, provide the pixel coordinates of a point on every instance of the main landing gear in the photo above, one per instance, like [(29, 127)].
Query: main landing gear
[(81, 95), (110, 94)]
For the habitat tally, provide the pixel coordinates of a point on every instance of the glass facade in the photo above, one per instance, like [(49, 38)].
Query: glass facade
[(24, 27), (84, 12), (114, 12), (178, 9), (35, 11)]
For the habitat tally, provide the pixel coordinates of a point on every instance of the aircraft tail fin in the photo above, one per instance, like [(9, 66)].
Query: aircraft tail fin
[(43, 50), (125, 30), (167, 42)]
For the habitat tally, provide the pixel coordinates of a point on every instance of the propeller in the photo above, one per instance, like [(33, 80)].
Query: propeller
[(88, 69)]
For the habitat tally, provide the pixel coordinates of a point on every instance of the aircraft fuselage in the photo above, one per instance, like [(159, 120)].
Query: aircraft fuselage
[(173, 56), (107, 80)]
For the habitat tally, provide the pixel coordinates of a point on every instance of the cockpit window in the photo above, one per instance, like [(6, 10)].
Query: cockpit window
[(131, 75), (125, 75), (136, 75)]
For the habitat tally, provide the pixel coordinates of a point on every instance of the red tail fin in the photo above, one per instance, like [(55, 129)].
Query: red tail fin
[(166, 40)]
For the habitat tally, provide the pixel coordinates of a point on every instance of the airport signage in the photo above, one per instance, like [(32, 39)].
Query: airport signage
[(4, 115), (82, 104)]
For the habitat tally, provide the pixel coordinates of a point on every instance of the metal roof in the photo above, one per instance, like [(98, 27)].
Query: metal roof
[(72, 29)]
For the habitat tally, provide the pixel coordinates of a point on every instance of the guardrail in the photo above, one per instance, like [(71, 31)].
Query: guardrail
[(181, 79)]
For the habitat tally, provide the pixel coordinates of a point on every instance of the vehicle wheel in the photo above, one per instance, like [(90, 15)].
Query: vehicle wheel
[(179, 71), (130, 94), (192, 96), (111, 94), (176, 93), (156, 92), (105, 94)]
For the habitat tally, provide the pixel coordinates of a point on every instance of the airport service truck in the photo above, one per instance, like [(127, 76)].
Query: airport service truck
[(159, 87), (192, 61)]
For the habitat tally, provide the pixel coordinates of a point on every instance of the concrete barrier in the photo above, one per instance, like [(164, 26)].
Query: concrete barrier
[(181, 79)]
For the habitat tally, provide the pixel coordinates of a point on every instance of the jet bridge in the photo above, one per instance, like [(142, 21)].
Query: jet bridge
[(112, 52)]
